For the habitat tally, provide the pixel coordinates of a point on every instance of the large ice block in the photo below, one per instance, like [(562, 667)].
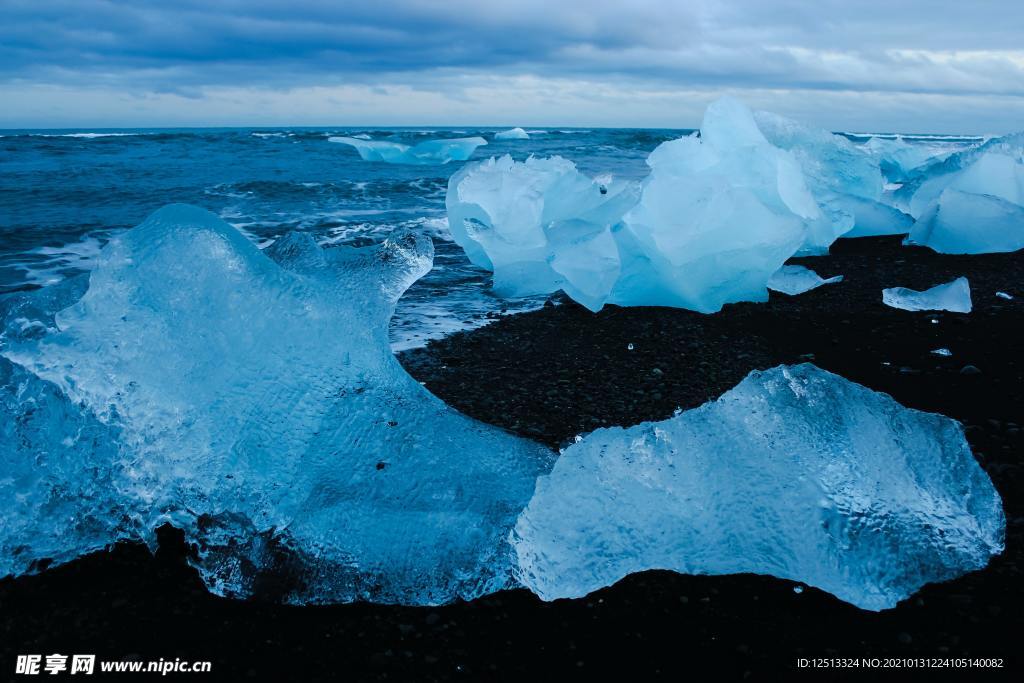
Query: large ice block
[(540, 225), (796, 473), (953, 296), (425, 153), (251, 398), (718, 215)]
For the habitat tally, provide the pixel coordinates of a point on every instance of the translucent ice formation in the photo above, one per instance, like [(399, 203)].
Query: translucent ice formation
[(898, 159), (512, 134), (719, 214), (540, 225), (979, 209), (429, 152), (256, 404), (953, 296), (795, 473), (846, 181), (794, 280)]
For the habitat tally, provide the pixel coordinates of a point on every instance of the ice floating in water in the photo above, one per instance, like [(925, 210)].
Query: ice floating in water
[(1004, 295), (794, 280), (256, 404), (953, 296), (795, 472), (251, 399), (429, 152), (512, 134), (942, 352)]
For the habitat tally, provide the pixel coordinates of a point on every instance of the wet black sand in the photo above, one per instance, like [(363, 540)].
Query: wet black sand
[(561, 371)]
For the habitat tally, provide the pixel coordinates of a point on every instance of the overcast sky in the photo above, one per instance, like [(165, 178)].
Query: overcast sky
[(908, 65)]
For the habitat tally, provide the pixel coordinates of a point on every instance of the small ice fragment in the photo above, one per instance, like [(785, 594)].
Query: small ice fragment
[(512, 134), (629, 346), (953, 296), (942, 352), (794, 280), (798, 589), (1004, 295)]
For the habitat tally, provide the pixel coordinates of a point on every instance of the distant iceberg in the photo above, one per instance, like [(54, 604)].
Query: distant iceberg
[(431, 152), (795, 472), (512, 134), (793, 280), (953, 296)]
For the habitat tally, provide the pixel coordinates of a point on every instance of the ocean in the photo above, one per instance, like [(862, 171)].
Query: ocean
[(64, 194)]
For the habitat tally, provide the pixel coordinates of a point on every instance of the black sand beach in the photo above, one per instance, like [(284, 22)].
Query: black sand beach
[(562, 371)]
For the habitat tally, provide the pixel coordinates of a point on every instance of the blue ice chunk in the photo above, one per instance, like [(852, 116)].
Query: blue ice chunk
[(794, 280), (431, 152), (953, 296), (540, 226), (796, 473), (252, 399)]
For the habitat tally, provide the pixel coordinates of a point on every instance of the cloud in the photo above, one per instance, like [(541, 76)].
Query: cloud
[(965, 55)]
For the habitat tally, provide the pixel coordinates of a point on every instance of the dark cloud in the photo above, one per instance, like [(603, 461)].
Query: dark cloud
[(183, 46)]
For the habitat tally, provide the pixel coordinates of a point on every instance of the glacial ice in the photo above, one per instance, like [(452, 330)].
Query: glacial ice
[(717, 215), (965, 223), (898, 159), (846, 180), (431, 152), (256, 404), (953, 296), (714, 219), (979, 209), (793, 280), (539, 225), (796, 473), (512, 134)]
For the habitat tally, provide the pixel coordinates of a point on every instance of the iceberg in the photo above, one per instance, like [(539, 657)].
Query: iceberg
[(953, 296), (251, 399), (539, 225), (512, 134), (794, 280), (795, 472), (431, 152)]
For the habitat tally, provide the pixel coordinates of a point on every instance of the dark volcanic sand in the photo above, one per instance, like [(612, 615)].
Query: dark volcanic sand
[(561, 371)]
